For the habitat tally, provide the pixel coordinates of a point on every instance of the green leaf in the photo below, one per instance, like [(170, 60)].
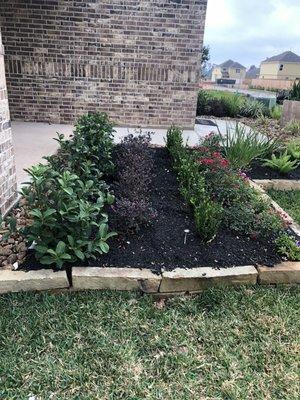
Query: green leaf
[(60, 248), (79, 254), (104, 247), (41, 249), (48, 212), (68, 190), (111, 234), (103, 230), (36, 213), (71, 240), (47, 260), (110, 198)]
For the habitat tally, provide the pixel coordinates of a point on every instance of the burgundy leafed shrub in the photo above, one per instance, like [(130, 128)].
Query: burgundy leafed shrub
[(134, 164)]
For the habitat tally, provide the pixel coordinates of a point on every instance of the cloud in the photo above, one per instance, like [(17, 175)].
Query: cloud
[(250, 31)]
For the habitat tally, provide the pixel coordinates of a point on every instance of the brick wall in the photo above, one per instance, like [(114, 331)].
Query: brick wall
[(138, 60), (7, 163)]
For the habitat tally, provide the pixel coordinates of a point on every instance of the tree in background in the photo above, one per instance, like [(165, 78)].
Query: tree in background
[(205, 67)]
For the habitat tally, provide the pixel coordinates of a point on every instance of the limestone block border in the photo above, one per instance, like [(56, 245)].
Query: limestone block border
[(115, 279), (23, 281), (278, 184), (180, 281)]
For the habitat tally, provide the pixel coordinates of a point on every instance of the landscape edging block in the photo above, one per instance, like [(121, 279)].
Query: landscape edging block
[(197, 279), (115, 279), (35, 280), (278, 184), (286, 272)]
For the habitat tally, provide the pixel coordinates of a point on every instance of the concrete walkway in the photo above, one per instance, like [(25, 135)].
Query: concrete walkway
[(34, 140)]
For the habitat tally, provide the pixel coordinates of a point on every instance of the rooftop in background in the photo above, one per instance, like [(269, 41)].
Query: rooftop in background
[(231, 64), (253, 72), (287, 56)]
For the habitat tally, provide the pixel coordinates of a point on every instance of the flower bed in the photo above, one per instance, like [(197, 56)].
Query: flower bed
[(133, 205)]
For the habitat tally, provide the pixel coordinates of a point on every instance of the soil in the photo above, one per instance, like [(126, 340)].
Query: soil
[(257, 171), (161, 245)]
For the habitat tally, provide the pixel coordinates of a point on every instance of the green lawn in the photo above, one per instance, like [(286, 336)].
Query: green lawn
[(224, 344), (289, 201)]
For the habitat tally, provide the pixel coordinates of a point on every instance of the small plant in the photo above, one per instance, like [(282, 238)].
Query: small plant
[(208, 218), (134, 165), (293, 149), (276, 112), (295, 92), (253, 109), (241, 147), (293, 128), (282, 163), (288, 247)]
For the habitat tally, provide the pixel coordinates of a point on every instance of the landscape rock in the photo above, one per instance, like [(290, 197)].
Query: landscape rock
[(286, 272), (18, 281), (197, 279), (115, 279)]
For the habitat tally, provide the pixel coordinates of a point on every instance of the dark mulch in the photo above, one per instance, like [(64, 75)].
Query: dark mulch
[(161, 245), (257, 171)]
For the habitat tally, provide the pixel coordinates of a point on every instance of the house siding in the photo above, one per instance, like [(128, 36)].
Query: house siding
[(138, 61), (8, 185)]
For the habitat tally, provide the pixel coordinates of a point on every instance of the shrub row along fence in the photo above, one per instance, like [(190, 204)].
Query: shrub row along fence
[(226, 104)]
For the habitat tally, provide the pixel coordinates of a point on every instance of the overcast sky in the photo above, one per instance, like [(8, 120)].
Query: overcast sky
[(249, 31)]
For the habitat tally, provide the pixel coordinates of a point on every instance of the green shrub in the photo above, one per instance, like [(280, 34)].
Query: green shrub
[(276, 112), (68, 223), (66, 198), (88, 152), (295, 92), (293, 149), (293, 128), (251, 108), (192, 186), (226, 104), (240, 146), (252, 219), (288, 247), (208, 218), (282, 163)]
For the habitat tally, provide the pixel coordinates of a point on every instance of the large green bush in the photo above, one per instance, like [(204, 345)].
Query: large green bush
[(66, 198)]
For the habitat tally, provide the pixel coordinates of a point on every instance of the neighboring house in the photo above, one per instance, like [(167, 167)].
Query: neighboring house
[(253, 72), (280, 67), (229, 70)]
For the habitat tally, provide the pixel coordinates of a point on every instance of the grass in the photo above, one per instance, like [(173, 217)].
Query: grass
[(289, 201), (224, 344)]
